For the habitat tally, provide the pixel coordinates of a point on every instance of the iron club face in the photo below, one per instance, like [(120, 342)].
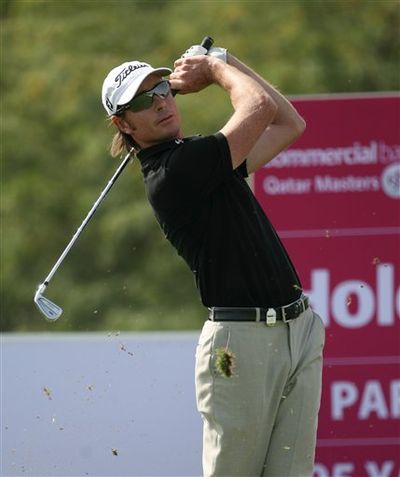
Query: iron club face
[(49, 309)]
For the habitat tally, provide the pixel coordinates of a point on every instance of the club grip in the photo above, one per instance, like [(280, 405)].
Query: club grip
[(207, 42)]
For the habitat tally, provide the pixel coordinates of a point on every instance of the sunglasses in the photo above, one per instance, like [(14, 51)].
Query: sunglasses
[(144, 100)]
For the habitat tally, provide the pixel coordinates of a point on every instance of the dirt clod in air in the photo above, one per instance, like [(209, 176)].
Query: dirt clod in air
[(47, 392), (122, 348)]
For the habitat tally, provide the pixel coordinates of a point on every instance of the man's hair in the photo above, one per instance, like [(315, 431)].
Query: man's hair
[(121, 143)]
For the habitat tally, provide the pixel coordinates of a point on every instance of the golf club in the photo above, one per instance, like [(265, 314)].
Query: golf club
[(49, 309)]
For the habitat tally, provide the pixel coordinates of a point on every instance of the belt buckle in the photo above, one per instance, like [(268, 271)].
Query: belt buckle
[(270, 317), (299, 308), (284, 319)]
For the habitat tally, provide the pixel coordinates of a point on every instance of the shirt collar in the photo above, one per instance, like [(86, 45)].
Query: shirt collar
[(152, 151)]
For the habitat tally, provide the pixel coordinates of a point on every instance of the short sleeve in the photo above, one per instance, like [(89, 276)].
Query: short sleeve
[(198, 166), (242, 169)]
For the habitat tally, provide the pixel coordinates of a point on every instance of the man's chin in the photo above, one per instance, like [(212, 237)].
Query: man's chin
[(170, 133)]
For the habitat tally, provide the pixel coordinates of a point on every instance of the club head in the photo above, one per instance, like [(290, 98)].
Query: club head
[(49, 309)]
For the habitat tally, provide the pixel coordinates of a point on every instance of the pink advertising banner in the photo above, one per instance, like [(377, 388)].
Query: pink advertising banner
[(334, 197)]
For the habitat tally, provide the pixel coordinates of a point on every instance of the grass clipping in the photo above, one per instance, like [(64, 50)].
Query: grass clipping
[(225, 362)]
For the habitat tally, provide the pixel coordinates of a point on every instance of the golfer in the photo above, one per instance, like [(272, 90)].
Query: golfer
[(259, 355)]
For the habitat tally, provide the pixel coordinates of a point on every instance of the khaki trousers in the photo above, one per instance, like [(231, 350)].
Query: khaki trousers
[(261, 421)]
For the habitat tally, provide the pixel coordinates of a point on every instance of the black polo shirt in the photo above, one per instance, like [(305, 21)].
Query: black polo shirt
[(210, 215)]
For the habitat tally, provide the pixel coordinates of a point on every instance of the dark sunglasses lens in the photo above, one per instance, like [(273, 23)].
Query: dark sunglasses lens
[(140, 103)]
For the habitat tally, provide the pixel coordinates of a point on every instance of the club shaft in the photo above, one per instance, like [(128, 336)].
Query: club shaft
[(88, 217)]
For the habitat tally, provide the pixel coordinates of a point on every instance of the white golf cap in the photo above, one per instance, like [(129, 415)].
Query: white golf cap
[(122, 83)]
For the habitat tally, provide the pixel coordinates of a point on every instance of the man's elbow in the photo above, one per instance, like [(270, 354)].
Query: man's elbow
[(301, 125), (298, 126)]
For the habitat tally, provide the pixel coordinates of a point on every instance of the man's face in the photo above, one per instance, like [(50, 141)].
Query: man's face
[(160, 122)]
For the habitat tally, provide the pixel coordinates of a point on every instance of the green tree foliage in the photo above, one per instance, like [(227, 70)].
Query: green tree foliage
[(122, 274)]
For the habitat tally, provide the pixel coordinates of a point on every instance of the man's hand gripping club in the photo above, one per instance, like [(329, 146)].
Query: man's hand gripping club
[(253, 108), (185, 71)]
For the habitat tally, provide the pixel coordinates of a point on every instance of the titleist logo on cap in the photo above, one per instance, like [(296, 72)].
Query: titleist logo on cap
[(126, 72)]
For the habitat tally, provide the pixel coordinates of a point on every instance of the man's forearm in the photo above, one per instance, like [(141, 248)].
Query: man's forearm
[(254, 109), (286, 113), (286, 126)]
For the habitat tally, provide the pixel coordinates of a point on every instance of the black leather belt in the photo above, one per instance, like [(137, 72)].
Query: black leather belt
[(269, 315)]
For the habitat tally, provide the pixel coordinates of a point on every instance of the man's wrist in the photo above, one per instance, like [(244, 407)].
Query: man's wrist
[(218, 71)]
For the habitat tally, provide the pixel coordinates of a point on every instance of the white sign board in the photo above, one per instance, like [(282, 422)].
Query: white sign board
[(98, 404)]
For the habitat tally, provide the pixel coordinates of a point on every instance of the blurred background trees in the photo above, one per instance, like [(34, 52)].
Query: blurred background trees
[(122, 274)]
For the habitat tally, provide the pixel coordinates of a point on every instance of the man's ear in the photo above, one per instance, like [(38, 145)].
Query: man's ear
[(123, 125)]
